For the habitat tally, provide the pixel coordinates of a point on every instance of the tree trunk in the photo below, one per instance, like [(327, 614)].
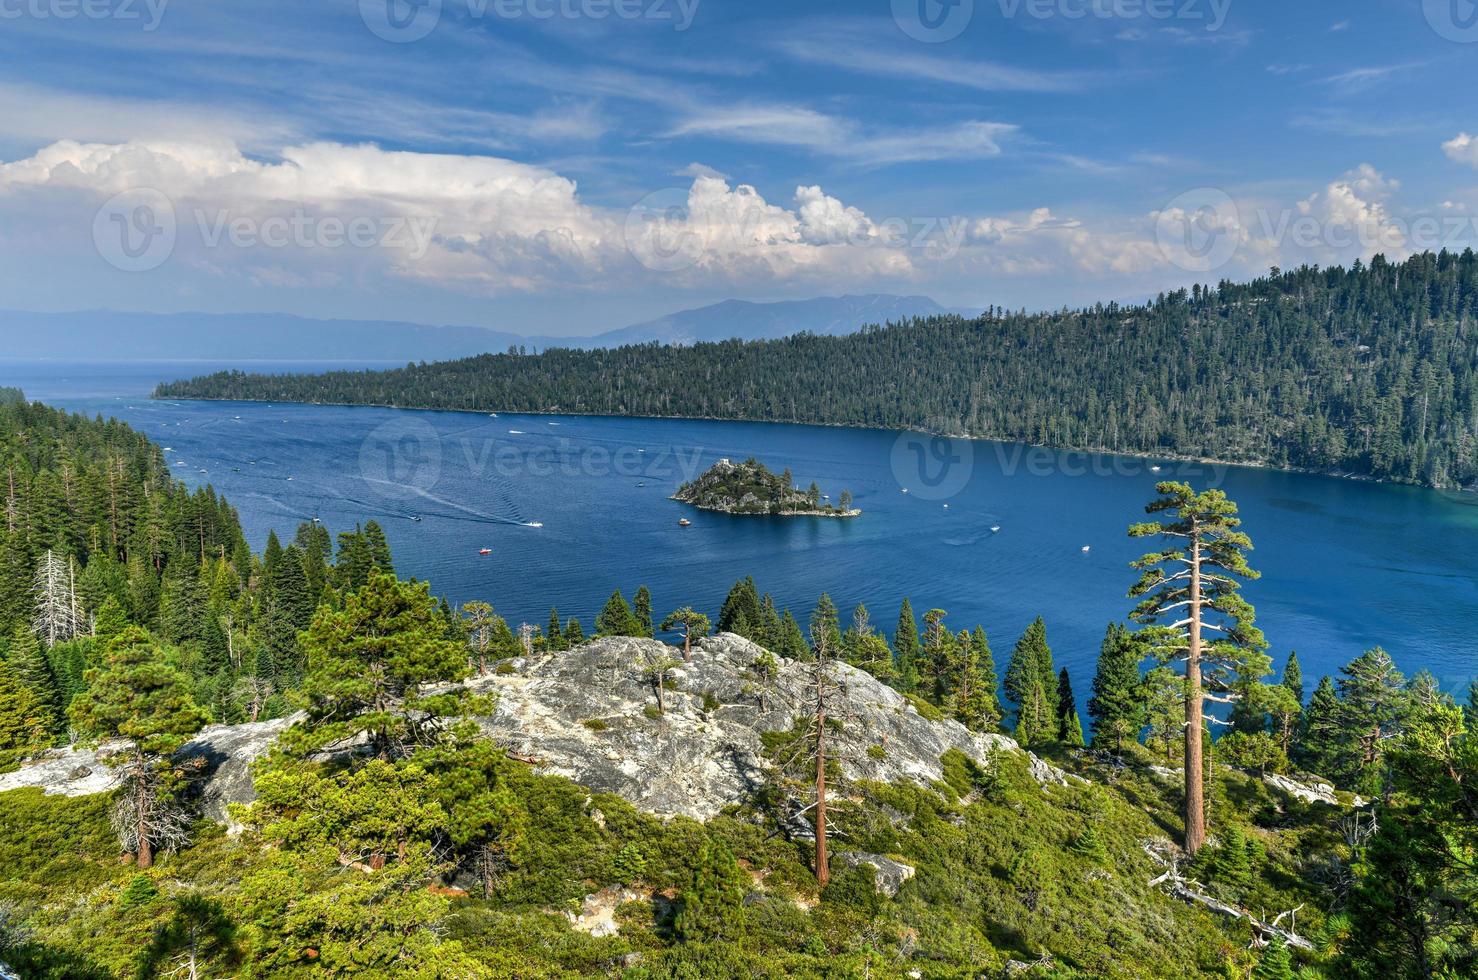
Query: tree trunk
[(823, 870), (146, 851), (688, 646), (1195, 812)]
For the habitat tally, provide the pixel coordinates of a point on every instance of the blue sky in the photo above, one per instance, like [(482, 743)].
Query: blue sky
[(566, 166)]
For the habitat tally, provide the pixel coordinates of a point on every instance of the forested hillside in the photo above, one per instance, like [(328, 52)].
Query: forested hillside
[(391, 837), (1367, 370)]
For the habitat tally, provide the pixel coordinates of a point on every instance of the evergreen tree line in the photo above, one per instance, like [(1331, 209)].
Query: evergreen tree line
[(1367, 370), (98, 542)]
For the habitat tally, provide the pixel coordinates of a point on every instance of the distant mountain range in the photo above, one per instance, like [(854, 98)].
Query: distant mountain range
[(105, 335)]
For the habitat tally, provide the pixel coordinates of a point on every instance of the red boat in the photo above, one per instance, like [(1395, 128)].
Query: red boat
[(486, 551)]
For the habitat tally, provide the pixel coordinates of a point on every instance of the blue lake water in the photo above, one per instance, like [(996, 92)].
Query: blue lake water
[(1346, 565)]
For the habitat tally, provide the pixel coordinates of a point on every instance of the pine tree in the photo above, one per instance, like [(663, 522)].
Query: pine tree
[(616, 619), (478, 617), (1373, 703), (1317, 748), (1089, 844), (373, 666), (767, 631), (742, 602), (934, 656), (906, 648), (1185, 590), (690, 622), (379, 548), (355, 563), (554, 634), (25, 728), (1275, 962), (642, 610), (712, 905), (864, 648), (1293, 677), (1071, 731), (1470, 709), (969, 699), (1117, 706), (33, 672), (1069, 727), (215, 648), (289, 589), (825, 626), (1035, 724), (574, 634), (792, 643), (1031, 667), (138, 698), (985, 662)]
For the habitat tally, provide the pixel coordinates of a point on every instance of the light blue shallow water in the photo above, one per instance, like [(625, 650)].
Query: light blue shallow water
[(1346, 565)]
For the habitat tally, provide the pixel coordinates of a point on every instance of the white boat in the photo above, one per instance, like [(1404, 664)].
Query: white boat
[(515, 432), (1154, 469), (995, 529), (533, 524), (946, 506), (1087, 548), (905, 489)]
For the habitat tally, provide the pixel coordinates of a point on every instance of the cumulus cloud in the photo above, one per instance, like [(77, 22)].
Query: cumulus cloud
[(1462, 148), (478, 222), (490, 226)]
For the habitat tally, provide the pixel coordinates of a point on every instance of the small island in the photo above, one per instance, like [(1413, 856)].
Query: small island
[(750, 488)]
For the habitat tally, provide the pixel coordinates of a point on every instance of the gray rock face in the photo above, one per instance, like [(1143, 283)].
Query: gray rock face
[(224, 754), (585, 715), (590, 714), (888, 874), (1308, 792)]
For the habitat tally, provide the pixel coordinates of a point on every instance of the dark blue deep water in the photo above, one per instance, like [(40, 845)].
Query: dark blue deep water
[(1346, 565)]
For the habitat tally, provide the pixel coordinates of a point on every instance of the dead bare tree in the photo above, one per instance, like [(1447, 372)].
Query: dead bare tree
[(1164, 854), (58, 617)]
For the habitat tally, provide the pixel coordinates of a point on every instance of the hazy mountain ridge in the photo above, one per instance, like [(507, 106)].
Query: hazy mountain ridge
[(108, 335)]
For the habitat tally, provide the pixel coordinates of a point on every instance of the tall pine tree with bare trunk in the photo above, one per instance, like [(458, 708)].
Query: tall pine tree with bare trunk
[(1194, 613)]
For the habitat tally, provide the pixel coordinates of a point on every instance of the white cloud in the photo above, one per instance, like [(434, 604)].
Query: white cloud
[(850, 51), (802, 127), (1462, 148), (492, 225)]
